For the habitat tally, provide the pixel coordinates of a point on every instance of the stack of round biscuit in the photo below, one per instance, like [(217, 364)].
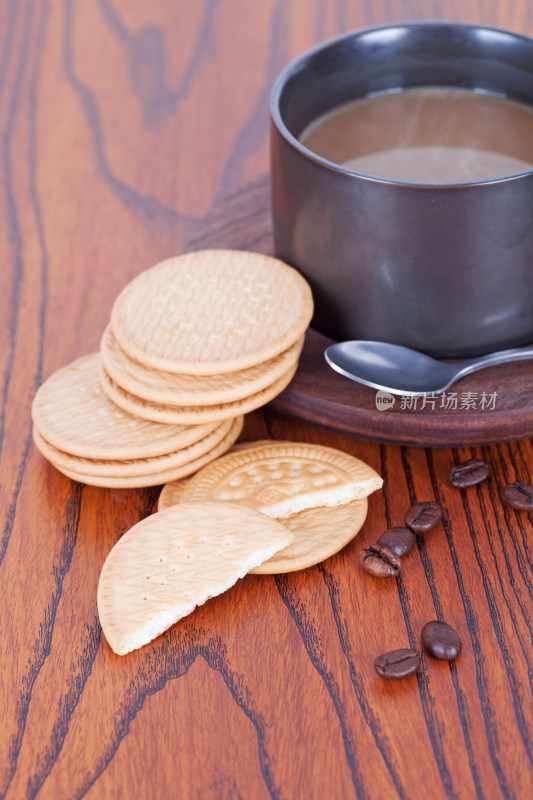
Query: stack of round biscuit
[(205, 337), (193, 344)]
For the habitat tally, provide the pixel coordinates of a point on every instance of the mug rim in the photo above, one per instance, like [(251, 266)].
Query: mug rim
[(299, 64)]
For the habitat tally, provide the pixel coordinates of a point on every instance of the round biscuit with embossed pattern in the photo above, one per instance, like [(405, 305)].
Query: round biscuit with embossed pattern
[(172, 491), (319, 533), (158, 386), (135, 467), (158, 478), (212, 311), (72, 412), (175, 560), (192, 415), (282, 480)]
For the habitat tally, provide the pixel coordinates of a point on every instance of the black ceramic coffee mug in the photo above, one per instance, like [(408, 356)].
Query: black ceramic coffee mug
[(444, 268)]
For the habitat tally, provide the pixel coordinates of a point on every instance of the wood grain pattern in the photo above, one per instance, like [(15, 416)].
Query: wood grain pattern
[(123, 125)]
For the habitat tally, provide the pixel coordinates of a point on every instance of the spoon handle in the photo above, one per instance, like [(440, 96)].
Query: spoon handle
[(490, 360)]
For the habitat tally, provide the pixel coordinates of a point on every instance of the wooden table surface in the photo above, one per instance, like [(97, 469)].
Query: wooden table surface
[(124, 124)]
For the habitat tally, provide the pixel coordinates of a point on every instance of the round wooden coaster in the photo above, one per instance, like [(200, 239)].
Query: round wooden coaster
[(495, 405)]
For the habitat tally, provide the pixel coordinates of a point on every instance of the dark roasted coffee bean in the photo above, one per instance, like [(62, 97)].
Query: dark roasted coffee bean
[(422, 517), (519, 495), (469, 473), (441, 641), (397, 664), (380, 561), (401, 540)]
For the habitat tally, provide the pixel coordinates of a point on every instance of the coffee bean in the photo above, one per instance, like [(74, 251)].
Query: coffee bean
[(519, 495), (469, 473), (397, 664), (441, 641), (380, 561), (401, 540), (422, 517)]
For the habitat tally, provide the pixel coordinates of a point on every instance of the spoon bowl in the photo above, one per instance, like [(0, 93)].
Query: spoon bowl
[(401, 370)]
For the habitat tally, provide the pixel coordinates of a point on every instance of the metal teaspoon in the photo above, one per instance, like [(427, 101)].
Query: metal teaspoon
[(400, 370)]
